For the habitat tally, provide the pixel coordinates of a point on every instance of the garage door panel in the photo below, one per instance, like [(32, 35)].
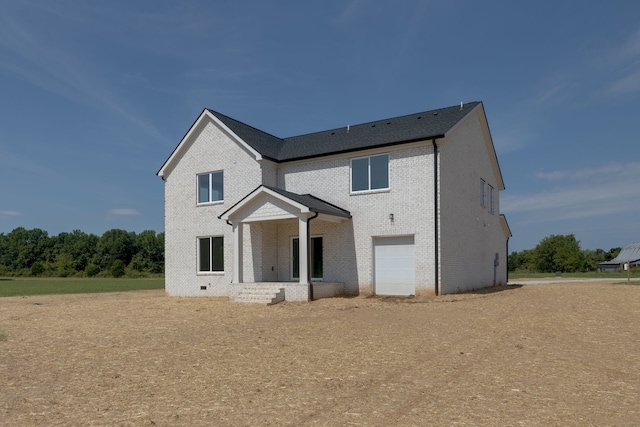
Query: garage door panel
[(394, 259)]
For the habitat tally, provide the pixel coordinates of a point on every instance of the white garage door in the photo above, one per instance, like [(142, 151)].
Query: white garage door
[(394, 266)]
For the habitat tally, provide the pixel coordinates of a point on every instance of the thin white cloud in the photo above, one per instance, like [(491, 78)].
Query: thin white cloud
[(584, 193), (630, 49), (511, 138), (626, 85), (44, 64), (349, 12), (9, 213), (623, 65), (608, 171), (610, 70), (123, 212)]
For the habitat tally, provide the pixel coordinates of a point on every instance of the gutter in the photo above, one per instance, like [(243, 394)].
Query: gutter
[(435, 216)]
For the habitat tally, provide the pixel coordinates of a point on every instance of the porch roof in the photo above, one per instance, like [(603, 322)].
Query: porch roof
[(303, 202)]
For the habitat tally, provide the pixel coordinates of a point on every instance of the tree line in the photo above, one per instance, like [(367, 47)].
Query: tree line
[(559, 253), (116, 253)]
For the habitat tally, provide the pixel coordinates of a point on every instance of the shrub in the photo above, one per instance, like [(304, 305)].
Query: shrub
[(37, 268), (117, 268), (92, 270)]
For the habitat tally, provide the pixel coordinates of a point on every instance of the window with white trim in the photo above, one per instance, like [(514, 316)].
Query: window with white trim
[(490, 197), (483, 197), (210, 254), (210, 187), (370, 173)]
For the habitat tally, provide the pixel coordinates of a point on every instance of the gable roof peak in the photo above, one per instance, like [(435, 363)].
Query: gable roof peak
[(426, 125)]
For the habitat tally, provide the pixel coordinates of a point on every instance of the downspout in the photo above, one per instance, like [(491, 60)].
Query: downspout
[(309, 255), (506, 261), (435, 216)]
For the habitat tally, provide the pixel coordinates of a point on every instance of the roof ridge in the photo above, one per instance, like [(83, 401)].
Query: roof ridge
[(217, 113), (403, 116)]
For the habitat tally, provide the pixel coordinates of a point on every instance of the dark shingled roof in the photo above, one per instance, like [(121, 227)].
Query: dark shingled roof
[(414, 127), (267, 145), (313, 203)]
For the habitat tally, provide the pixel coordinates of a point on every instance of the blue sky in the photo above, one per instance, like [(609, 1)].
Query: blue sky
[(94, 96)]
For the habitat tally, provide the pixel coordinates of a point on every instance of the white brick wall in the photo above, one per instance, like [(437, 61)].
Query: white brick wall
[(209, 150), (470, 236), (410, 194)]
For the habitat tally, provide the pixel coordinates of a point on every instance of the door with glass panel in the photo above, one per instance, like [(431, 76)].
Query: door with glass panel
[(315, 251)]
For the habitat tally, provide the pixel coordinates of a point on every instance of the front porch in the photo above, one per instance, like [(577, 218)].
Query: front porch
[(280, 225)]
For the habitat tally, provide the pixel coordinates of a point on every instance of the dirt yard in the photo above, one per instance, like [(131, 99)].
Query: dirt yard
[(535, 355)]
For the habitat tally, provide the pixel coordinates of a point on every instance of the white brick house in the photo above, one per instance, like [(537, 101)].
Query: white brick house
[(400, 206)]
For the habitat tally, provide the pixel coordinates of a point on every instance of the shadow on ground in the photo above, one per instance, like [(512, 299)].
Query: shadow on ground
[(446, 298)]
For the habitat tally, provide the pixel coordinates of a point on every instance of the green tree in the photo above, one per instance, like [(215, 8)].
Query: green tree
[(115, 245), (117, 268), (521, 261), (592, 258), (613, 252), (79, 246), (22, 247), (91, 270), (559, 253), (37, 268), (149, 255)]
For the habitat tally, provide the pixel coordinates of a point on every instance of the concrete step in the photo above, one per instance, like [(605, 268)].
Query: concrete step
[(260, 294)]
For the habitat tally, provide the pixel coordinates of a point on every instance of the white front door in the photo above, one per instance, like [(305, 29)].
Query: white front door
[(394, 266)]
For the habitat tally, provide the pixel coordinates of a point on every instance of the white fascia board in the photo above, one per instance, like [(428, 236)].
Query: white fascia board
[(206, 115), (505, 226), (331, 218), (488, 139)]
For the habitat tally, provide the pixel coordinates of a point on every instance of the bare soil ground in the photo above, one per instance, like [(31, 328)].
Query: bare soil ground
[(533, 355)]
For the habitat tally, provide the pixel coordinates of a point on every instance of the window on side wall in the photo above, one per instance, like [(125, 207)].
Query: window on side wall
[(210, 254), (490, 197), (370, 173), (483, 198), (210, 187)]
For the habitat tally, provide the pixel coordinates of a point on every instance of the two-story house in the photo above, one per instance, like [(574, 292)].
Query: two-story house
[(400, 206)]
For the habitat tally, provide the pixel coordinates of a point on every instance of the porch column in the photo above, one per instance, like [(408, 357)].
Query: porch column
[(303, 247), (237, 252)]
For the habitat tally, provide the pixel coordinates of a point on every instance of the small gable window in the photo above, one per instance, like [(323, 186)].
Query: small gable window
[(210, 187), (370, 173)]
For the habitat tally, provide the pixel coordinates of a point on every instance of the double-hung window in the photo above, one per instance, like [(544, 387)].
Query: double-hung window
[(486, 195), (490, 197), (370, 173), (210, 187), (210, 254)]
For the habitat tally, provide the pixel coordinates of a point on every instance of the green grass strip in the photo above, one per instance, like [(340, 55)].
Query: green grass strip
[(11, 286)]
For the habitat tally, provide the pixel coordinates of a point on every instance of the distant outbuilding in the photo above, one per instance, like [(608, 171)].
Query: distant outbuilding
[(629, 254)]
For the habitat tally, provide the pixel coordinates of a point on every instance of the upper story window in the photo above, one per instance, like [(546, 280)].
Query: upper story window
[(490, 199), (370, 173), (210, 187), (486, 196)]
